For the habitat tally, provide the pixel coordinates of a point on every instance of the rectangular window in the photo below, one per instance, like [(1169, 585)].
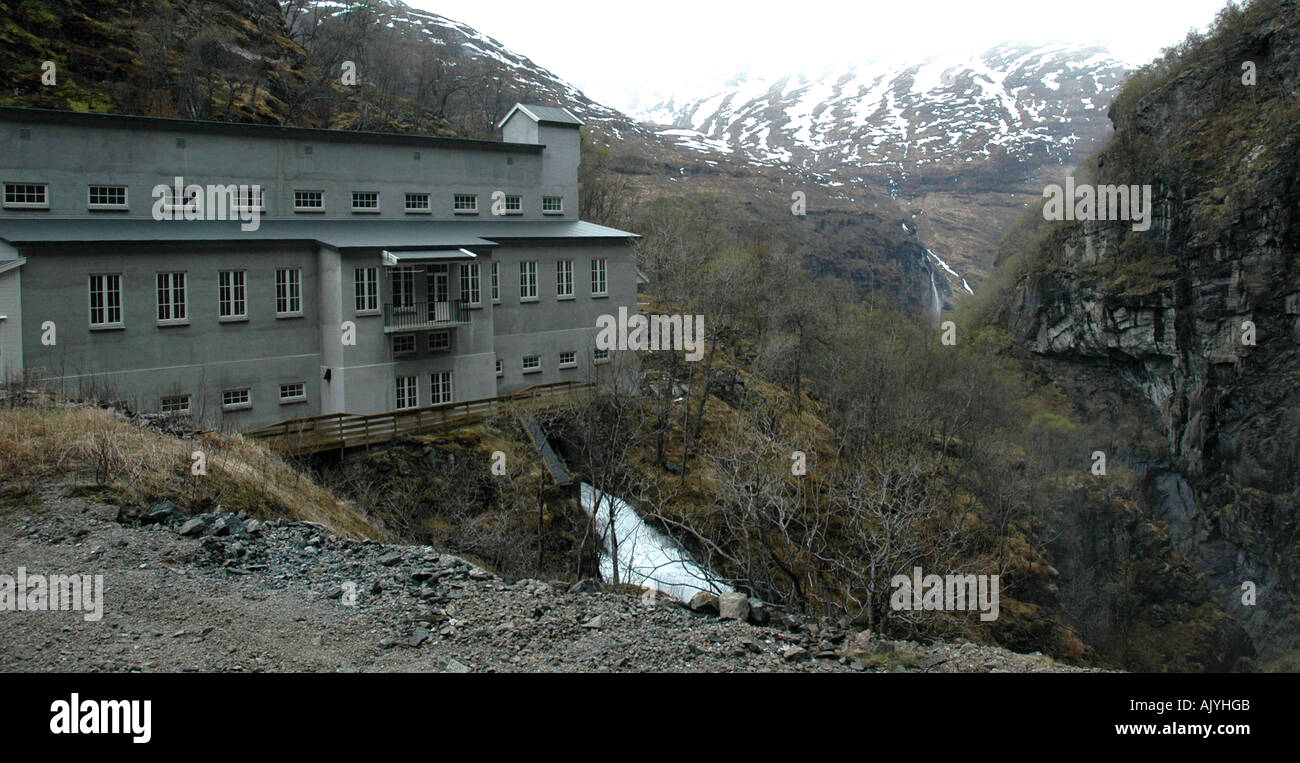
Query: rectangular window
[(417, 202), (404, 344), (106, 300), (106, 197), (403, 287), (171, 298), (514, 205), (407, 392), (564, 279), (365, 201), (496, 282), (366, 289), (569, 359), (309, 201), (26, 196), (600, 356), (501, 368), (236, 399), (528, 279), (465, 204), (178, 404), (470, 288), (532, 364), (439, 341), (440, 387), (295, 392), (553, 205), (232, 303), (176, 206), (248, 197), (599, 282), (288, 292)]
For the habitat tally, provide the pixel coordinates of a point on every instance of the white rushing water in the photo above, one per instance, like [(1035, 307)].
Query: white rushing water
[(647, 557)]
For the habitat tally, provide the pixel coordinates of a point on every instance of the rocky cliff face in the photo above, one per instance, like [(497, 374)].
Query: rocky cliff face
[(1201, 313)]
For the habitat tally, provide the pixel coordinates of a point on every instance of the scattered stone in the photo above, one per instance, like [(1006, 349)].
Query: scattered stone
[(420, 636), (162, 512), (733, 606), (595, 622), (193, 527), (586, 585), (758, 614), (478, 573), (456, 666), (796, 654), (390, 559), (704, 602)]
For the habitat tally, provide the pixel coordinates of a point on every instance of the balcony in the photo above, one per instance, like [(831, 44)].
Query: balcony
[(421, 316)]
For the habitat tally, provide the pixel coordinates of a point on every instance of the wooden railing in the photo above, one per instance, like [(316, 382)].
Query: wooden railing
[(338, 431)]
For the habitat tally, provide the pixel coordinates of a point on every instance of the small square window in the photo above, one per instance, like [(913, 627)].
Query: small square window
[(532, 364), (236, 399), (465, 204), (26, 196), (365, 201), (309, 201), (176, 404), (553, 205), (295, 392), (501, 368), (600, 356), (439, 341), (417, 203), (404, 344), (569, 359), (106, 197)]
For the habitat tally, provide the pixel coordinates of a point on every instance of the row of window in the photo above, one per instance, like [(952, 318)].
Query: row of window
[(234, 399), (439, 341), (114, 197), (232, 290), (172, 302), (532, 364)]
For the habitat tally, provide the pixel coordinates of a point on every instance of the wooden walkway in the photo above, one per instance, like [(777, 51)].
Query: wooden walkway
[(339, 431)]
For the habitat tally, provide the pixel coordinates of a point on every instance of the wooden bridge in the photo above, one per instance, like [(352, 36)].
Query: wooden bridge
[(339, 431)]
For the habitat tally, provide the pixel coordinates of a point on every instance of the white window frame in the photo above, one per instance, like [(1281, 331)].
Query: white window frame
[(600, 277), (365, 291), (443, 345), (572, 362), (471, 284), (535, 368), (12, 189), (426, 209), (298, 207), (464, 203), (528, 280), (564, 279), (501, 368), (365, 209), (229, 404), (163, 404), (405, 276), (93, 205), (232, 291), (599, 356), (496, 282), (441, 390), (559, 210), (170, 311), (402, 389), (110, 283), (299, 397), (288, 291), (518, 201)]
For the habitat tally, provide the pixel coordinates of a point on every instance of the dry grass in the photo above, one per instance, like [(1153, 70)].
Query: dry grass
[(94, 451)]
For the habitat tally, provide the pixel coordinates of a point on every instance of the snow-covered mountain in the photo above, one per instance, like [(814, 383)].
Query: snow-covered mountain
[(1030, 103)]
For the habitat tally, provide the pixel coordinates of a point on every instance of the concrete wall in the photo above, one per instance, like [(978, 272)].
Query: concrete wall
[(144, 361), (69, 157)]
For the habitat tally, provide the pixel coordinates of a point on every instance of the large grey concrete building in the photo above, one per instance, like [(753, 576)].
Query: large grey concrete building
[(298, 271)]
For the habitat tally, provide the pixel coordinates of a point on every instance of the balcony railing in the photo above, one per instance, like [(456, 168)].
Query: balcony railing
[(425, 315)]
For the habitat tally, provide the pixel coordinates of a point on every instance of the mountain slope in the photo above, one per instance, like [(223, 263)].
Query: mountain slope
[(958, 139)]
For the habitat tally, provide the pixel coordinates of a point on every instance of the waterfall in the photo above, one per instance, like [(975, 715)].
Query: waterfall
[(646, 557), (934, 297)]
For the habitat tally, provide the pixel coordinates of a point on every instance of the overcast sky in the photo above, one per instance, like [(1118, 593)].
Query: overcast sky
[(614, 48)]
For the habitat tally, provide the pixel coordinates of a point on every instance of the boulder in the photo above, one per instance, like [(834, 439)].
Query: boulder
[(704, 602), (733, 606)]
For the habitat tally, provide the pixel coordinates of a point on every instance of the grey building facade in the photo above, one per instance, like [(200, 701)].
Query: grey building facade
[(248, 274)]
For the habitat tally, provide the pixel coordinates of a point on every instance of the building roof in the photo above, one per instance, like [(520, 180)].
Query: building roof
[(192, 126), (339, 234), (545, 115)]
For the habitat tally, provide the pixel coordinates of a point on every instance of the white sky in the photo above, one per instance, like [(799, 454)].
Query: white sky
[(617, 49)]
